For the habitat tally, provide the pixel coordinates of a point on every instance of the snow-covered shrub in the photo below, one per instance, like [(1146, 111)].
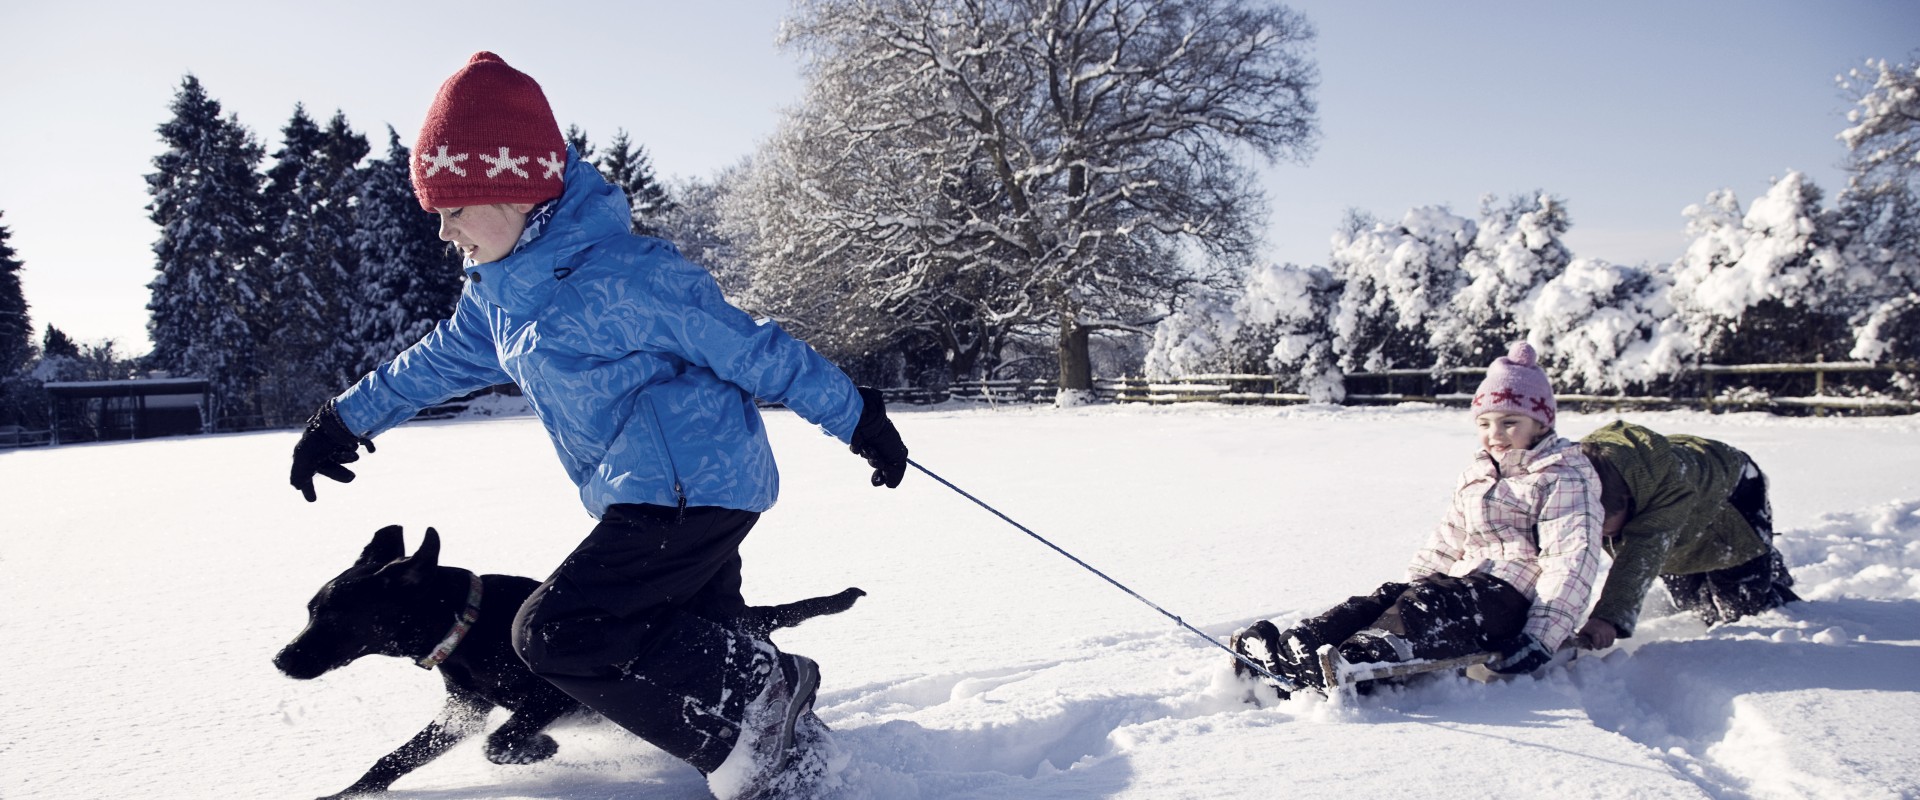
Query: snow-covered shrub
[(1516, 250), (1397, 281), (1193, 339), (1603, 326), (1275, 323), (1283, 316), (1891, 329), (1762, 286), (1880, 208)]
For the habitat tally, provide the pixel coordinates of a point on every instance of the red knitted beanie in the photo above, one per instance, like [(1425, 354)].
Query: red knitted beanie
[(489, 138)]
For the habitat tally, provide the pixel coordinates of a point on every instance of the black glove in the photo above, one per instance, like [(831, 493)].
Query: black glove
[(875, 440), (323, 448), (1520, 655)]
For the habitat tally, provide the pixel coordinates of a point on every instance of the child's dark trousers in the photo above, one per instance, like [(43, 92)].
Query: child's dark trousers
[(635, 624), (1435, 617), (1763, 583)]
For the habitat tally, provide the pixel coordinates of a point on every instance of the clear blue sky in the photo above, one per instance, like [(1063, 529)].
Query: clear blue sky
[(1630, 110)]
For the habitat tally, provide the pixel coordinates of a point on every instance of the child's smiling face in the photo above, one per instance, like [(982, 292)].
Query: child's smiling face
[(1502, 431), (484, 233)]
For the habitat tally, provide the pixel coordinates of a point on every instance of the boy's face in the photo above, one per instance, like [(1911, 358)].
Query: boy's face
[(1501, 431), (484, 233)]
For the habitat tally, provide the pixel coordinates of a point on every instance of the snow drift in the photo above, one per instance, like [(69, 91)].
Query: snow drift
[(145, 586)]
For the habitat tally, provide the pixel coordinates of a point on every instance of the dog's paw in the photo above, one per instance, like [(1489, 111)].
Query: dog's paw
[(525, 751)]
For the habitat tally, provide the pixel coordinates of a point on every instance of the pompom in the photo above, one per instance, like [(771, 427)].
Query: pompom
[(1522, 354)]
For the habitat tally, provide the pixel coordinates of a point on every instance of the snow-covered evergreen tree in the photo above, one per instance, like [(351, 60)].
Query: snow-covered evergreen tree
[(409, 279), (1398, 282), (1516, 249), (1275, 322), (286, 314), (19, 395), (696, 225), (16, 330), (206, 195), (1880, 208), (577, 139), (626, 165), (1766, 286), (1604, 327), (1196, 339), (55, 343), (1286, 313), (23, 397), (308, 353)]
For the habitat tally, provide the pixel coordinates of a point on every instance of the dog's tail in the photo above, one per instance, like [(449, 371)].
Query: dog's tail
[(759, 621)]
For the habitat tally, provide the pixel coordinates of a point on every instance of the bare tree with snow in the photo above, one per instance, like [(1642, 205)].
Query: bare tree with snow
[(991, 168)]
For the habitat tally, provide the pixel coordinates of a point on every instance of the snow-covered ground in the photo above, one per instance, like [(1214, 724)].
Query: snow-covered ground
[(145, 586)]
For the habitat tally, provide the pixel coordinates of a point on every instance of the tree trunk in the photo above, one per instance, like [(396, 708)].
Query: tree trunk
[(1076, 364)]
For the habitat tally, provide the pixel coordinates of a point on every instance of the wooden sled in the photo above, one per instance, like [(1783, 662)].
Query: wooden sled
[(1342, 677)]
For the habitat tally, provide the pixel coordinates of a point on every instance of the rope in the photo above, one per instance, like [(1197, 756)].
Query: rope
[(1254, 665)]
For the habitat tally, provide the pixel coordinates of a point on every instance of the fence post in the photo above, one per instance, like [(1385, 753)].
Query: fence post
[(1819, 384)]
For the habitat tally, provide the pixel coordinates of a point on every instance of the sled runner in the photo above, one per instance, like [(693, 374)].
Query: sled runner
[(1342, 676)]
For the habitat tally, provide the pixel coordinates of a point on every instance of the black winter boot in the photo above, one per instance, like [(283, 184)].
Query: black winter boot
[(1293, 654), (775, 755)]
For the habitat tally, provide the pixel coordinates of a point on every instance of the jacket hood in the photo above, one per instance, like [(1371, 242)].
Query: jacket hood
[(589, 211)]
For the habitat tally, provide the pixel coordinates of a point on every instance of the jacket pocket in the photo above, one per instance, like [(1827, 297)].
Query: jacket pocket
[(660, 440)]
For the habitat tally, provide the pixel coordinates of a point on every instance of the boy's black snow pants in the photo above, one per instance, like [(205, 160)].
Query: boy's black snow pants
[(1725, 595), (1435, 617), (635, 625)]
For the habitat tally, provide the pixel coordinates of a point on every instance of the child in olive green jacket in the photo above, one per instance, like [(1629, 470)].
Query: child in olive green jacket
[(1691, 511)]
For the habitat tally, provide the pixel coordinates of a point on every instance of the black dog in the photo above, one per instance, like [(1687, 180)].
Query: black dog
[(392, 604)]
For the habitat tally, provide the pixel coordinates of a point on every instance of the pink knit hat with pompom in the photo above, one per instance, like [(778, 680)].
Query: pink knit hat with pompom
[(1518, 385)]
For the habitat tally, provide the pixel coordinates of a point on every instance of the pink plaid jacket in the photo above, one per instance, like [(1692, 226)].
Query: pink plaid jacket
[(1532, 520)]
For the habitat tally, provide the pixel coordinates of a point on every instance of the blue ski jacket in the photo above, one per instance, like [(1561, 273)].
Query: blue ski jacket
[(643, 374)]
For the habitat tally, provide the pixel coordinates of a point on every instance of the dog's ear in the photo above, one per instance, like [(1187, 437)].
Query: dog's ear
[(415, 568), (428, 555), (387, 545)]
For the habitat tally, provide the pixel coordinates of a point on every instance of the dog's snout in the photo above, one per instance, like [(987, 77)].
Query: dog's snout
[(296, 662)]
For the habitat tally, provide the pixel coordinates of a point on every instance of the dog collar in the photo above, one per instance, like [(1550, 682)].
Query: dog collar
[(461, 625)]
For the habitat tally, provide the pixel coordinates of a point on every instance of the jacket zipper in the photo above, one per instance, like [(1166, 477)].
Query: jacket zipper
[(673, 472)]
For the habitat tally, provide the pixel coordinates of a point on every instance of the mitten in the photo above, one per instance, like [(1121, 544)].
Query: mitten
[(324, 446), (875, 440), (1520, 655)]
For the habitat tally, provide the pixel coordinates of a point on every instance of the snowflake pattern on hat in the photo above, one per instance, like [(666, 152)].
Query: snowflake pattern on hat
[(505, 161), (451, 163), (1515, 382), (487, 129)]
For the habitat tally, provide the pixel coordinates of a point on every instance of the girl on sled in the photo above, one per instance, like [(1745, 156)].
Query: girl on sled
[(1509, 569)]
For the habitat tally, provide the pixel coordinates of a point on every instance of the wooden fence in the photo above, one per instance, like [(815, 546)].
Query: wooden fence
[(17, 436), (1834, 389), (1711, 387)]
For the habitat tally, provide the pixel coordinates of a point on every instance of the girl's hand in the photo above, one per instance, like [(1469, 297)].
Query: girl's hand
[(1520, 655)]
